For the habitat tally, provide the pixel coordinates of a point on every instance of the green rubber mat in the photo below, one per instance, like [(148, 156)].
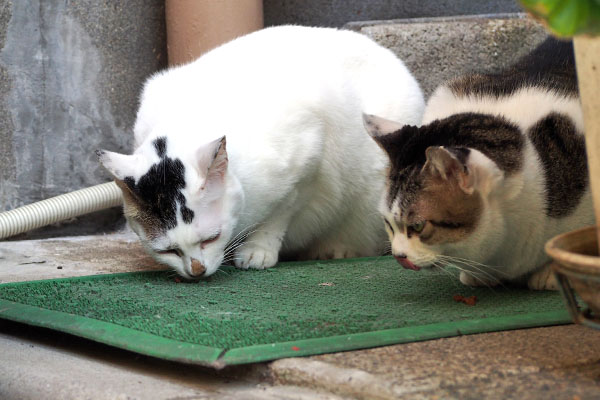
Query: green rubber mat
[(294, 309)]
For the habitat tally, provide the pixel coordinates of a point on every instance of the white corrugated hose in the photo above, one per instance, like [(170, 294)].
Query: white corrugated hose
[(59, 208)]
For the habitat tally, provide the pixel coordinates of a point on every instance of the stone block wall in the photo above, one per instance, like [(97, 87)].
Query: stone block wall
[(438, 49), (339, 12)]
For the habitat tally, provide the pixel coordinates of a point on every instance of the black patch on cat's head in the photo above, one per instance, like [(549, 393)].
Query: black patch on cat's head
[(160, 145), (561, 150), (160, 189), (493, 136)]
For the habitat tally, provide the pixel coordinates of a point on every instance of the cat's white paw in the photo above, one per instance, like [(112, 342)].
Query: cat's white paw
[(256, 257), (543, 279), (470, 280)]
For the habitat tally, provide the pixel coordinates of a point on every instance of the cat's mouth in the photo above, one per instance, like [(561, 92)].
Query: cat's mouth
[(406, 263)]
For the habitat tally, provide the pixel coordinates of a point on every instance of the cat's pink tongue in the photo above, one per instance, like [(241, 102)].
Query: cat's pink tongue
[(406, 263)]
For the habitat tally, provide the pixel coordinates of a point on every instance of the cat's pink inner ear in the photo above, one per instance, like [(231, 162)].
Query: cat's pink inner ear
[(119, 165), (212, 161), (218, 167), (466, 181), (440, 162), (443, 164), (378, 126)]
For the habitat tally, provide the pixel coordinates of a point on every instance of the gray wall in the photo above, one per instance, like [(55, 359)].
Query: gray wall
[(339, 12), (70, 76), (71, 72)]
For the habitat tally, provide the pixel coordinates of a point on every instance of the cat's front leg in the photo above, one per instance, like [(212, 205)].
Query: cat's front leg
[(261, 248), (260, 251), (543, 279)]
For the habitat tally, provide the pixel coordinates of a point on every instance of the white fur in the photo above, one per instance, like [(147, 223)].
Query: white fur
[(508, 242), (303, 176), (523, 108)]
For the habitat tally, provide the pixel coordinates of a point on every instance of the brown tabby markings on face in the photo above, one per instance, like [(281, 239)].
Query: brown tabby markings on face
[(451, 213)]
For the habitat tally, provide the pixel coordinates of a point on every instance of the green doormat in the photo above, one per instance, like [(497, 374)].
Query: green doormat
[(294, 309)]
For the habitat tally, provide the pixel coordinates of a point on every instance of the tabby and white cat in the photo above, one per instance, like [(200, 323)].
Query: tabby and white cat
[(262, 139), (497, 168)]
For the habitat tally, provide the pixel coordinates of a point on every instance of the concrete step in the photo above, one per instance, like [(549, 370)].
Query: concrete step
[(437, 49), (559, 362)]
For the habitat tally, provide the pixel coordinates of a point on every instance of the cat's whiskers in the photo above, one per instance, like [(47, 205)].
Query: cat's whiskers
[(223, 272), (244, 232), (466, 260), (443, 271), (478, 273), (476, 266), (240, 235), (239, 238), (232, 249), (475, 271)]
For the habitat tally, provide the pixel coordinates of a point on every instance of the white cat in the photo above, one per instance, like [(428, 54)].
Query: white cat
[(257, 148)]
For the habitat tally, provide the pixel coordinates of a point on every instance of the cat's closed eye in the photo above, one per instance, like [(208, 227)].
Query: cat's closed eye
[(175, 252), (210, 240)]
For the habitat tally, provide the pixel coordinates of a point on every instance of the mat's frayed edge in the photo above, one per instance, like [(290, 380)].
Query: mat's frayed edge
[(174, 350), (112, 334)]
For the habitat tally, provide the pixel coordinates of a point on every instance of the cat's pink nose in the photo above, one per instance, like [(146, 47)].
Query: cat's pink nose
[(405, 262), (197, 268)]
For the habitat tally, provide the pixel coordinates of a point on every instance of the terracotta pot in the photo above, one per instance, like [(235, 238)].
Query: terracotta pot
[(577, 267)]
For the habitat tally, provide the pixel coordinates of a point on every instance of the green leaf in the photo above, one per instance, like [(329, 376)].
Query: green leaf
[(567, 18)]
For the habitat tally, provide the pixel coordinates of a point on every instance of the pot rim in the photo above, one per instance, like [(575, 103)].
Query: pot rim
[(572, 260)]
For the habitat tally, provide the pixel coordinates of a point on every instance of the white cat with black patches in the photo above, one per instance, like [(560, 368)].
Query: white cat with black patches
[(497, 168), (257, 149)]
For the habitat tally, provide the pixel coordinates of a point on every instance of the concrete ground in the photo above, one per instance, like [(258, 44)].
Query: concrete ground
[(560, 362)]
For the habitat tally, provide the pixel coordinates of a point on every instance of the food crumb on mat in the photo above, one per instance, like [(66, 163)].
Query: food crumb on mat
[(470, 301)]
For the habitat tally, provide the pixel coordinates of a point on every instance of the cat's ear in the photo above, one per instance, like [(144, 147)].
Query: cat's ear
[(389, 135), (119, 165), (377, 126), (444, 164), (212, 161)]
